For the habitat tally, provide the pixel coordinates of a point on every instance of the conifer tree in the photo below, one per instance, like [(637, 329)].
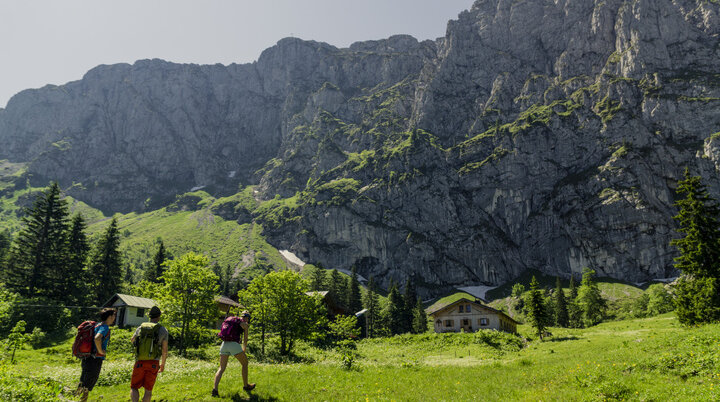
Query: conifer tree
[(698, 292), (536, 313), (317, 278), (562, 318), (156, 269), (335, 287), (372, 304), (410, 301), (395, 307), (39, 256), (5, 242), (106, 266), (420, 320), (75, 280), (354, 297), (591, 303), (574, 312)]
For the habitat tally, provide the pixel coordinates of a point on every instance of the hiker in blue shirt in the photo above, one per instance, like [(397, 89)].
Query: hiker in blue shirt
[(91, 365)]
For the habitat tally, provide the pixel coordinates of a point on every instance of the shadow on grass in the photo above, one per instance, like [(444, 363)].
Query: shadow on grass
[(246, 396), (563, 338)]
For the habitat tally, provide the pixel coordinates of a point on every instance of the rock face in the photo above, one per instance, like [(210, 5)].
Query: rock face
[(536, 134)]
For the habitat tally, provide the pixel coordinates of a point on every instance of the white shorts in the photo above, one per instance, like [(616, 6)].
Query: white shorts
[(230, 348)]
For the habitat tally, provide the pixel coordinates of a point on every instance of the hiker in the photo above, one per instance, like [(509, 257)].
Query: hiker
[(151, 342), (230, 334), (92, 364)]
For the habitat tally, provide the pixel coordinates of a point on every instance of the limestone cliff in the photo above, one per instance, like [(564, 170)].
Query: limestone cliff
[(545, 134)]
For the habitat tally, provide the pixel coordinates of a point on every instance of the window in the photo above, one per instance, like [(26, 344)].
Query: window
[(483, 321), (466, 322), (438, 323), (449, 323), (140, 312), (467, 308), (462, 308)]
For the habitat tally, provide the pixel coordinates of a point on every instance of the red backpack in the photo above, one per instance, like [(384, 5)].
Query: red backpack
[(84, 340), (231, 329)]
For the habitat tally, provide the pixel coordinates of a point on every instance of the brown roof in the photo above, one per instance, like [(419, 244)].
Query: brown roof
[(464, 300)]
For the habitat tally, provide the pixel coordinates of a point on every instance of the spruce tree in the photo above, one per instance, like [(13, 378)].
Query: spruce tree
[(76, 278), (106, 266), (335, 287), (697, 297), (410, 301), (372, 304), (37, 261), (317, 279), (354, 297), (574, 312), (396, 305), (591, 303), (420, 320), (5, 242), (562, 318), (156, 269), (536, 312)]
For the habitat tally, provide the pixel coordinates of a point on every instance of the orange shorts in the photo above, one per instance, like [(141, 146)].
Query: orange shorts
[(144, 374)]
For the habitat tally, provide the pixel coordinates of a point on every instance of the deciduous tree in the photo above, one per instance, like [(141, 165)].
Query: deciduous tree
[(188, 295)]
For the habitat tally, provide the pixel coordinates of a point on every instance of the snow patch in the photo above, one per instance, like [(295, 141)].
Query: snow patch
[(292, 258), (347, 272), (477, 291), (232, 173), (196, 188)]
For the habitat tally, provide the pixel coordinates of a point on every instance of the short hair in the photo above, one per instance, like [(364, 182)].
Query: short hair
[(106, 313)]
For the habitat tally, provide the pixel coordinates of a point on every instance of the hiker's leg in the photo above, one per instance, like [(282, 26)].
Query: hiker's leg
[(244, 362), (221, 370), (134, 394), (148, 395)]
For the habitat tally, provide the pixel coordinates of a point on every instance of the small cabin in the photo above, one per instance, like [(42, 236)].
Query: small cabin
[(469, 316), (131, 310)]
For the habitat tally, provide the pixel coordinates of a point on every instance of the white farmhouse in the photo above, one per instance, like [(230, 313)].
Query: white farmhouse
[(469, 316), (131, 310)]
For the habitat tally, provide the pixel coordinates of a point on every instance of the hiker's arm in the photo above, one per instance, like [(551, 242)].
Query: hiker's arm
[(164, 355), (98, 344), (245, 335)]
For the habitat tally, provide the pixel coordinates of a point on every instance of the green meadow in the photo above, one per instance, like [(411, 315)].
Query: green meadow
[(651, 359)]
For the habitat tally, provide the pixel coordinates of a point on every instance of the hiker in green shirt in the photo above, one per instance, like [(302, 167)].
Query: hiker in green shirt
[(151, 343)]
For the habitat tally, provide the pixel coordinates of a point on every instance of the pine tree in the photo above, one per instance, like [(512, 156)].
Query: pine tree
[(591, 303), (697, 298), (37, 261), (420, 320), (106, 266), (372, 304), (156, 269), (395, 307), (410, 301), (562, 317), (5, 242), (536, 313), (75, 281), (354, 297)]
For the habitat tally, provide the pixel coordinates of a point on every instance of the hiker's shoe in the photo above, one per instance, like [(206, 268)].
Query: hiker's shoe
[(215, 393), (249, 387)]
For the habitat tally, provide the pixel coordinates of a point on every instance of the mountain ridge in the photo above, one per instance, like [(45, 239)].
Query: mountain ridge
[(536, 134)]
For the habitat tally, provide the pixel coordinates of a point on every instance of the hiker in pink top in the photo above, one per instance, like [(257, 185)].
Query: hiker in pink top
[(232, 329)]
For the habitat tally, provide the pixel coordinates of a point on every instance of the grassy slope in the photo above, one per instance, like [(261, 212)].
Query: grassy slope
[(224, 242), (645, 359)]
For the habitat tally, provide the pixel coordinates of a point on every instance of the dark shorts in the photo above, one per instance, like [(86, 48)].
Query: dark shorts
[(144, 374), (90, 372)]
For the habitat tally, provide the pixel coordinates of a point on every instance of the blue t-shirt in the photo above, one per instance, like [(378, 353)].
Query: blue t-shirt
[(104, 330)]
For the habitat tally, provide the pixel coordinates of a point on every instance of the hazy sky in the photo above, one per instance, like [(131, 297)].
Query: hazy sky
[(53, 41)]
